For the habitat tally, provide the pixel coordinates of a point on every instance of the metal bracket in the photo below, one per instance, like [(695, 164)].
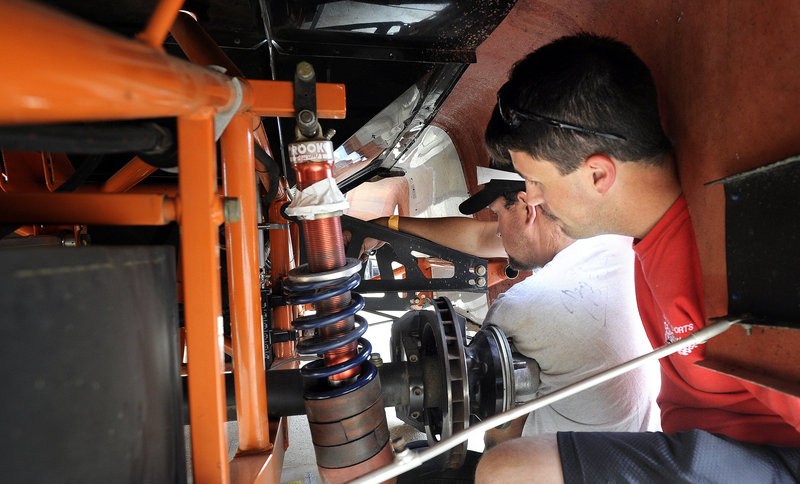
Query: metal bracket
[(282, 336), (399, 248), (271, 226), (305, 101), (274, 299), (223, 118)]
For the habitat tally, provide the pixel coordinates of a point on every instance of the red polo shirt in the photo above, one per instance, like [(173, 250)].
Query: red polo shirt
[(669, 293)]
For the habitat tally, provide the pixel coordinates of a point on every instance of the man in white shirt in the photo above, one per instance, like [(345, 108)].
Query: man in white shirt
[(576, 315)]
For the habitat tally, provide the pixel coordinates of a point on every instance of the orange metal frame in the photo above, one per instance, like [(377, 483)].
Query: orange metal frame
[(74, 71)]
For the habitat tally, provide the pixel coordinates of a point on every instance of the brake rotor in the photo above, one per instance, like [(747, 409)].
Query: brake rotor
[(445, 338), (491, 373)]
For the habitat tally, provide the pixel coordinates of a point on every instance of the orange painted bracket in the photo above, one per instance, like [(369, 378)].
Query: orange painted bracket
[(262, 468), (276, 98), (22, 171), (128, 176), (57, 169), (496, 272)]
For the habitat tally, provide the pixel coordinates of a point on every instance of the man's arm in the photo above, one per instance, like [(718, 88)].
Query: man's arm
[(460, 233), (493, 437), (530, 459)]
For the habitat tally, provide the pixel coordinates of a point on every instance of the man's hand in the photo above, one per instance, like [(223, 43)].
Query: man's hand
[(369, 246)]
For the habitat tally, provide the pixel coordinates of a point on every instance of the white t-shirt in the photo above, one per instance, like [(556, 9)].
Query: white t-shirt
[(577, 316)]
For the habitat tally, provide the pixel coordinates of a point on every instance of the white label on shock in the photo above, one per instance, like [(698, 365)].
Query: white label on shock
[(309, 151)]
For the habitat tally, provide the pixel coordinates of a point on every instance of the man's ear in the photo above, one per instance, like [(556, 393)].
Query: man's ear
[(603, 171), (530, 210)]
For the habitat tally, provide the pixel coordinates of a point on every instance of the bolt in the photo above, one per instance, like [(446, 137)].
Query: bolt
[(413, 358), (480, 281), (306, 117), (67, 239), (231, 209), (510, 272), (417, 391), (480, 270), (305, 71), (376, 359), (415, 414)]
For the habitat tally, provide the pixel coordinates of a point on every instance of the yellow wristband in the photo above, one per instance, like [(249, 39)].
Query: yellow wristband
[(394, 221)]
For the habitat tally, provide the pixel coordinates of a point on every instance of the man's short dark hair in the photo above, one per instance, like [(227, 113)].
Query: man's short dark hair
[(585, 80), (510, 198)]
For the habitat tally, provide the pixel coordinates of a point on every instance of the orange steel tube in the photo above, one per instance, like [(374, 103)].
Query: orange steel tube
[(202, 299), (276, 98), (201, 49), (244, 289), (161, 189), (158, 27), (128, 176), (74, 71), (103, 76), (198, 46), (87, 208)]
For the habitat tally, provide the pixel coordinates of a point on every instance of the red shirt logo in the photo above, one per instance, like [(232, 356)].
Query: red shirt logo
[(676, 333)]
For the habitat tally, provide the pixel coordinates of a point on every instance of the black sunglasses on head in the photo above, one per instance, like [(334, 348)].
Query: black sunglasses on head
[(513, 118)]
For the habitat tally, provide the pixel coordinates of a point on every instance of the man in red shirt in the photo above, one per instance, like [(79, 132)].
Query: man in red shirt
[(579, 120)]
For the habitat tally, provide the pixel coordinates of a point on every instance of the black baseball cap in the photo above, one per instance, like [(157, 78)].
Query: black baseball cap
[(495, 184)]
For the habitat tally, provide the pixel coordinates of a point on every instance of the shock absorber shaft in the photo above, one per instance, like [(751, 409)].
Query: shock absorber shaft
[(342, 391)]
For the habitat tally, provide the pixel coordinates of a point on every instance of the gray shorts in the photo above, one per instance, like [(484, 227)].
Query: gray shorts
[(693, 457)]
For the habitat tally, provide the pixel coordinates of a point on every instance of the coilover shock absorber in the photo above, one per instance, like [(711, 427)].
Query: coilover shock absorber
[(342, 390)]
